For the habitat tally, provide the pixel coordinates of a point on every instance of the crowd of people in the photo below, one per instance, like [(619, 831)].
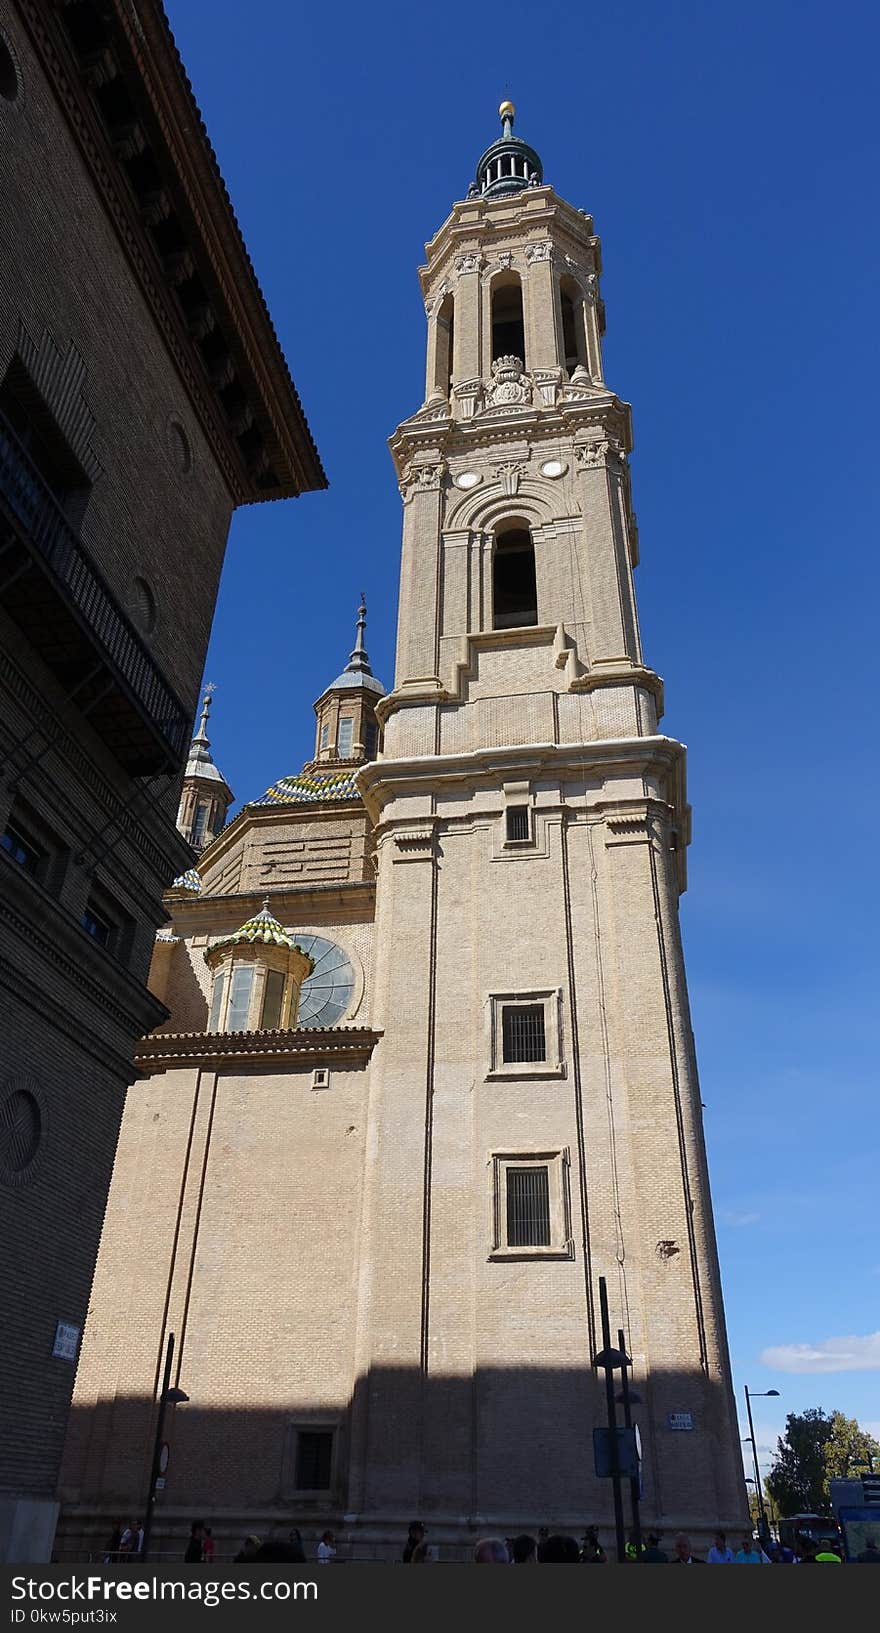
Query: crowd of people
[(127, 1540)]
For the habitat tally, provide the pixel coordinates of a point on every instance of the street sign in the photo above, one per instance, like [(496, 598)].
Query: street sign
[(680, 1420), (66, 1340), (164, 1455), (627, 1453)]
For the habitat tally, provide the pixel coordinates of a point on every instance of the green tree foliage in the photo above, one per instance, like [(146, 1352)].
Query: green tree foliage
[(816, 1448)]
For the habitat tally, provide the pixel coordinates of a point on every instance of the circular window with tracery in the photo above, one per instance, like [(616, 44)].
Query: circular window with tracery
[(328, 992), (21, 1132)]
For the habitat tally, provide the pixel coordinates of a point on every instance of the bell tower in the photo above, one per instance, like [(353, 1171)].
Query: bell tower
[(535, 1117)]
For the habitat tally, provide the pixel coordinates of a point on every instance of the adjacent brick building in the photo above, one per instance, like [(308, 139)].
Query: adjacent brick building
[(372, 1202), (143, 396)]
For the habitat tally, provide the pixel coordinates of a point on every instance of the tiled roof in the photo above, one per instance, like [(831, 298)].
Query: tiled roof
[(312, 787), (262, 927), (189, 880)]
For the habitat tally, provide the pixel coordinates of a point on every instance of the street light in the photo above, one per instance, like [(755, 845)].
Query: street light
[(169, 1397), (629, 1398), (610, 1360), (758, 1394)]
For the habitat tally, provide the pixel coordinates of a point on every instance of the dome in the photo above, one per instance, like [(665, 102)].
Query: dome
[(509, 165)]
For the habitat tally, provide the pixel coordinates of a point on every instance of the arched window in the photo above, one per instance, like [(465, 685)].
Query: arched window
[(508, 329), (574, 344), (514, 590), (444, 337)]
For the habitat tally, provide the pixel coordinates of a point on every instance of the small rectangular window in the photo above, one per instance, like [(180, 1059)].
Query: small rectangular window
[(517, 823), (97, 926), (314, 1457), (325, 735), (240, 998), (216, 1003), (522, 1031), (21, 849), (528, 1207), (273, 998), (344, 737), (371, 740)]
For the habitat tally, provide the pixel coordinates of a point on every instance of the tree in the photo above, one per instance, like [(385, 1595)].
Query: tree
[(849, 1450), (816, 1448)]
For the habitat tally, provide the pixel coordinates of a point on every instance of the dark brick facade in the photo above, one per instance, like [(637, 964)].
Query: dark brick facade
[(121, 461)]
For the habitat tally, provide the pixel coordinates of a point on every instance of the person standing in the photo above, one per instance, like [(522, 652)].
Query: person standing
[(750, 1553), (195, 1547), (654, 1554), (208, 1546), (415, 1535), (719, 1553), (870, 1554), (326, 1549), (683, 1555)]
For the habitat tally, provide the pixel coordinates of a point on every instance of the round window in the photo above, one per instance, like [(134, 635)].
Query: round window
[(21, 1130), (328, 991), (9, 81)]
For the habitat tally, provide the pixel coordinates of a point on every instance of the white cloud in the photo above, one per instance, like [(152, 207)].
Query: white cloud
[(729, 1216), (851, 1354)]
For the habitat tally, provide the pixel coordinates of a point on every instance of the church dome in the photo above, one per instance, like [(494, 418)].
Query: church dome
[(311, 787), (509, 165), (263, 928)]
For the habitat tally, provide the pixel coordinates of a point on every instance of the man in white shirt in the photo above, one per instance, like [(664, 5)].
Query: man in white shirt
[(719, 1553)]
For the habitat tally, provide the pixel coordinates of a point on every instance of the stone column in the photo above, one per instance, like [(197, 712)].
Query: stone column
[(466, 358), (418, 632), (604, 551)]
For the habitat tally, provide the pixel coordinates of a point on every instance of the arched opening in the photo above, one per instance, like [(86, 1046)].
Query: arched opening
[(574, 343), (514, 588), (508, 328), (444, 336)]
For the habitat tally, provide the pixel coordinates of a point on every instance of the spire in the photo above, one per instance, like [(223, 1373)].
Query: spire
[(509, 165), (358, 662), (200, 748)]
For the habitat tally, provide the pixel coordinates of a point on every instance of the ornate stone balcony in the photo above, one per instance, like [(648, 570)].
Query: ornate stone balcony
[(51, 588)]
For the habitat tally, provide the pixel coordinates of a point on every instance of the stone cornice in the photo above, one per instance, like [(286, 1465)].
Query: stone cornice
[(263, 445), (479, 221), (312, 1046), (449, 439), (384, 780), (200, 913), (267, 816)]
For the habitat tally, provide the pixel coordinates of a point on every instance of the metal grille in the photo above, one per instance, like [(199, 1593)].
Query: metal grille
[(314, 1454), (522, 1032), (517, 822), (528, 1207)]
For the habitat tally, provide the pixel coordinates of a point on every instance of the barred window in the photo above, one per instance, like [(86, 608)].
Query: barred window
[(314, 1458), (522, 1032), (528, 1207), (517, 822)]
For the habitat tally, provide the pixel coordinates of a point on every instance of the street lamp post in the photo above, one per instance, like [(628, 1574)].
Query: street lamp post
[(628, 1399), (168, 1397), (609, 1360), (758, 1394)]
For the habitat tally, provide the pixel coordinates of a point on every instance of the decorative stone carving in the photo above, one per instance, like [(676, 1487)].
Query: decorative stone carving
[(510, 383), (541, 251), (423, 478), (505, 260), (592, 456), (554, 468), (469, 397), (509, 474), (471, 261), (591, 288), (547, 383)]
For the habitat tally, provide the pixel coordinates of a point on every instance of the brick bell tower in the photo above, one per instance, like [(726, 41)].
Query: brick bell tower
[(534, 1109)]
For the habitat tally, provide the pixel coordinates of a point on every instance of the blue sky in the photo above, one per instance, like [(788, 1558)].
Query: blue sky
[(729, 155)]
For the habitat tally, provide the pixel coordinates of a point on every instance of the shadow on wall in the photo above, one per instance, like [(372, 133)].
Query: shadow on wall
[(501, 1451)]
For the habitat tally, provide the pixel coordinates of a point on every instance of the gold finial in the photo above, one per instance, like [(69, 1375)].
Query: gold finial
[(506, 111)]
